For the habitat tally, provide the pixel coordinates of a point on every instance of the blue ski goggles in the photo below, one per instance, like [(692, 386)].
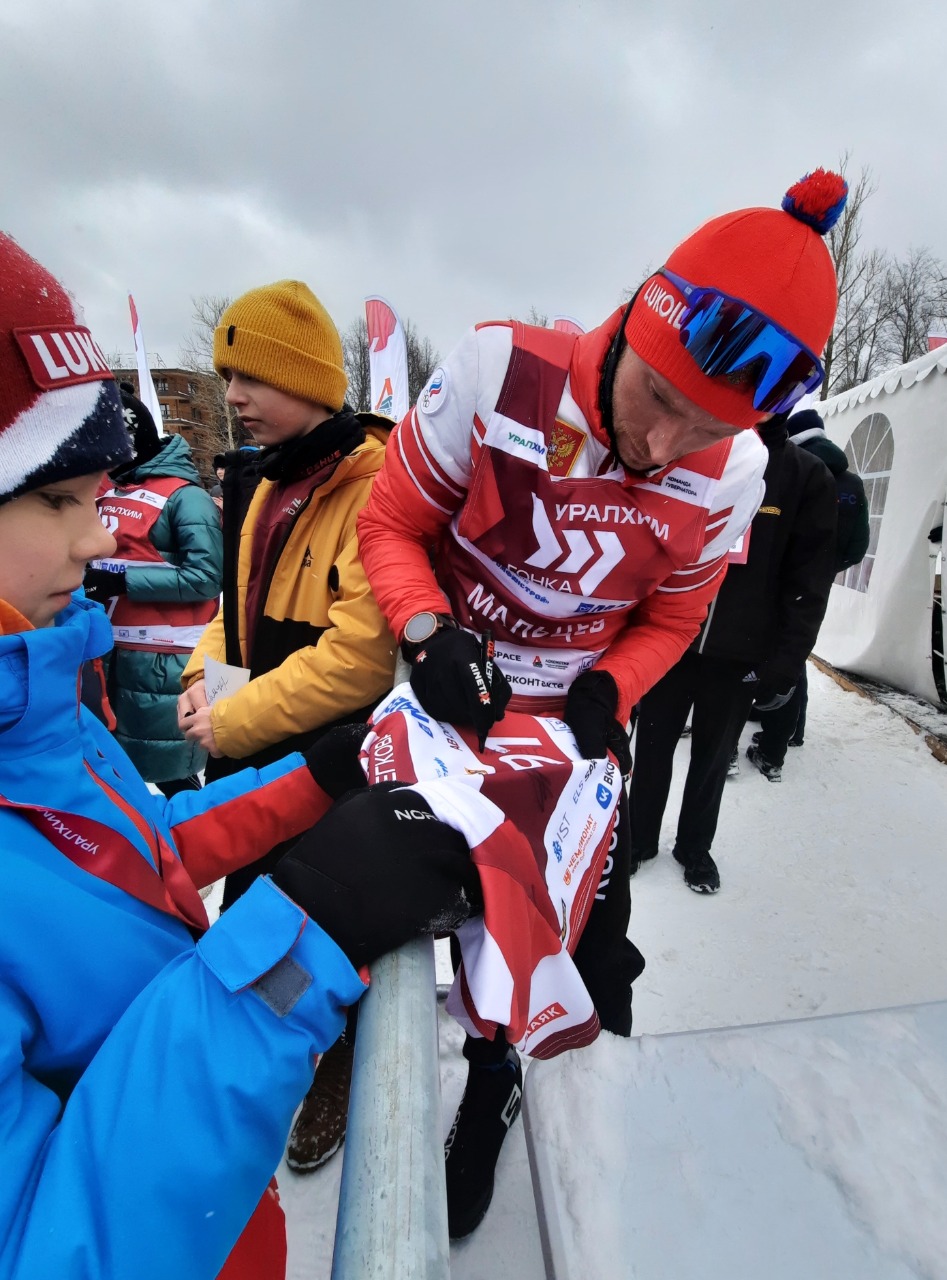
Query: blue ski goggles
[(726, 336)]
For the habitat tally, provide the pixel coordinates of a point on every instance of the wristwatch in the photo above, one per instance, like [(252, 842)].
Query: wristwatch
[(419, 629)]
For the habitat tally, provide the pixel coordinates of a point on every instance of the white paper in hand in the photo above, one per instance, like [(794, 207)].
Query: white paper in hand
[(222, 680)]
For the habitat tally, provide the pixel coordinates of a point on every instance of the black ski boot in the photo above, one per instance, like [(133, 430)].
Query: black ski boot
[(490, 1104)]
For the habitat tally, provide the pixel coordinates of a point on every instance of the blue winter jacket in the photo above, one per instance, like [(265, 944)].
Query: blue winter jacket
[(146, 1084)]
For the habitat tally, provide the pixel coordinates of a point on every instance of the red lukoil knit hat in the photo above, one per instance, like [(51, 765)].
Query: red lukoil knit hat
[(775, 260), (60, 411)]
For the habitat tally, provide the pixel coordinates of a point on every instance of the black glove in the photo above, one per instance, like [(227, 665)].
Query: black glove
[(380, 869), (770, 697), (448, 677), (103, 584), (333, 759), (590, 713)]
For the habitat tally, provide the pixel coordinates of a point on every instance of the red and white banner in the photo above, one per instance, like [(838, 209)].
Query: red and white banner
[(146, 387), (387, 359), (935, 340), (565, 324)]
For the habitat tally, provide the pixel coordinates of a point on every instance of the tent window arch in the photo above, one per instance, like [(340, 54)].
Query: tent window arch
[(870, 452)]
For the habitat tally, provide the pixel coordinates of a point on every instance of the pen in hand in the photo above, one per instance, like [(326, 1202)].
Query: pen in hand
[(486, 663)]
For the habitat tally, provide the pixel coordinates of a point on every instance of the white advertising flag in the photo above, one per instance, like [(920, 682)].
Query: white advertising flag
[(387, 359), (146, 387)]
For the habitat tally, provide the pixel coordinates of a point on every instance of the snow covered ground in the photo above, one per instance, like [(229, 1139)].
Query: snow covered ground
[(834, 896)]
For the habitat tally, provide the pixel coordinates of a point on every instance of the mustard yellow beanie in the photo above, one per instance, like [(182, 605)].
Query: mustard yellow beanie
[(283, 335)]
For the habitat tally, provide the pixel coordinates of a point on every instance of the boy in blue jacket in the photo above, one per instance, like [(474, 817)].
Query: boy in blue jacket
[(149, 1065)]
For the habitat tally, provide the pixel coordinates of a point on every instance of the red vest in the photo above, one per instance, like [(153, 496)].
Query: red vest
[(172, 627), (554, 563)]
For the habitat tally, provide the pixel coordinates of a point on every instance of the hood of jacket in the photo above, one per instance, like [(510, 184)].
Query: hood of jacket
[(39, 682), (816, 441), (172, 459)]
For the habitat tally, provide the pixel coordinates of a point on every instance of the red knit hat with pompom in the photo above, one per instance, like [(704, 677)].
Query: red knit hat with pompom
[(775, 260)]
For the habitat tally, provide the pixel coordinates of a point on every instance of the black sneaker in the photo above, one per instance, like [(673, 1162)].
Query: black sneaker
[(490, 1104), (733, 768), (796, 742), (771, 772), (700, 872)]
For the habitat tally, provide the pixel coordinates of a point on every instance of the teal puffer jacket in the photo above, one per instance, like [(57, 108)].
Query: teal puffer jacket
[(143, 686)]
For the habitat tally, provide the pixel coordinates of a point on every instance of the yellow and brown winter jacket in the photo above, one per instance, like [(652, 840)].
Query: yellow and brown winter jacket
[(322, 650)]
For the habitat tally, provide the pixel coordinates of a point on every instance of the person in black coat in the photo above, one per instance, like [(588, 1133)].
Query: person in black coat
[(753, 645), (786, 726)]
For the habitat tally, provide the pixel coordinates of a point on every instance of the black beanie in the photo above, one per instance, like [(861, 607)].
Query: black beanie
[(140, 425), (804, 420)]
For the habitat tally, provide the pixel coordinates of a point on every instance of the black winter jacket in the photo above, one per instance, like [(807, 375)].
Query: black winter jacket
[(806, 430), (768, 612)]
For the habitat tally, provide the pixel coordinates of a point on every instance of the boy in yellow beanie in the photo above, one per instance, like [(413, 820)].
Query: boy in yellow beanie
[(298, 611)]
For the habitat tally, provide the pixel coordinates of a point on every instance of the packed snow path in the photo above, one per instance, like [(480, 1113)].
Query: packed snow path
[(834, 893)]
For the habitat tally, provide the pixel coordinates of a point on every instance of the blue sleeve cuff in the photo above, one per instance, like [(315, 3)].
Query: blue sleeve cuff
[(267, 942)]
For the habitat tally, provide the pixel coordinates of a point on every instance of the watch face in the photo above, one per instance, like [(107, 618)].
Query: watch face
[(420, 628)]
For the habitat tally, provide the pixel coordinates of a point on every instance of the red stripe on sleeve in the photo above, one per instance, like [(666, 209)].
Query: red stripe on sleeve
[(227, 837), (415, 466)]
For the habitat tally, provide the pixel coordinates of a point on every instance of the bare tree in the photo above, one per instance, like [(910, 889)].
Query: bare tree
[(221, 429), (629, 291), (536, 317), (887, 305), (853, 351), (422, 361), (916, 288), (355, 358)]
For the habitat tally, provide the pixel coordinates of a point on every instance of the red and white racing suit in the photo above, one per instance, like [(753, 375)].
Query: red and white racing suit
[(503, 475), (502, 468)]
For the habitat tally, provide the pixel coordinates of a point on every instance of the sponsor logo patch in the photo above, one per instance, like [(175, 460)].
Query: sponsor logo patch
[(434, 396), (62, 356), (545, 1016)]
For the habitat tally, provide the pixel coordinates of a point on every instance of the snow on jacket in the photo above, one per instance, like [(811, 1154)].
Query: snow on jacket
[(144, 684), (146, 1085), (769, 610), (322, 649), (503, 468)]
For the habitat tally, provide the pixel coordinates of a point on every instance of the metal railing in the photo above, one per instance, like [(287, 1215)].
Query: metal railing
[(392, 1218)]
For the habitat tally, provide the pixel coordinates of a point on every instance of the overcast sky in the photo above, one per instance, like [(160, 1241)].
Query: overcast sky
[(466, 161)]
